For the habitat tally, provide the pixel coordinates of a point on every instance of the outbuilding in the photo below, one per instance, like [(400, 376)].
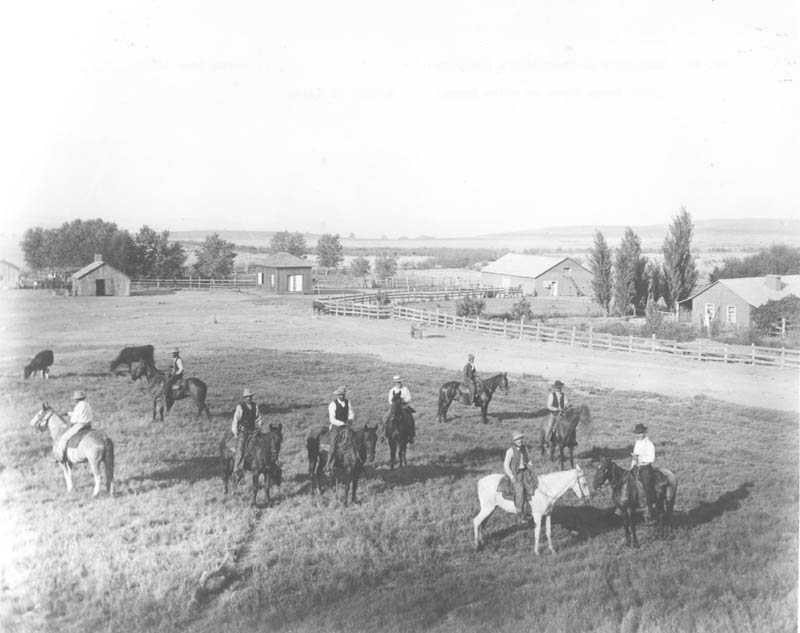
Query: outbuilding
[(9, 275), (283, 273), (730, 302), (538, 275), (99, 279)]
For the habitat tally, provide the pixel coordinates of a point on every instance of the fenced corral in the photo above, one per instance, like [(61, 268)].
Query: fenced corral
[(193, 283), (412, 282), (367, 306)]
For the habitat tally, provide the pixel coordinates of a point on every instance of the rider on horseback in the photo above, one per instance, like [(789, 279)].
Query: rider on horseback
[(644, 455), (245, 422), (79, 418), (340, 414), (175, 381), (405, 397), (470, 379), (556, 404), (519, 469)]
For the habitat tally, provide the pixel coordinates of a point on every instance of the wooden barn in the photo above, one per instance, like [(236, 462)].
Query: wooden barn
[(730, 301), (99, 279), (541, 276), (9, 275), (283, 273)]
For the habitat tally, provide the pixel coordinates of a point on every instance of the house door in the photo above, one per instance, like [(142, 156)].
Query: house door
[(100, 287), (295, 283), (553, 288)]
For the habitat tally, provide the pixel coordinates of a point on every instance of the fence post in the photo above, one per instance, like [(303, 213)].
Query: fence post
[(521, 326), (477, 322), (674, 348), (654, 343), (572, 340), (700, 349), (590, 337), (753, 353), (609, 341), (505, 327), (726, 353), (783, 357), (630, 342)]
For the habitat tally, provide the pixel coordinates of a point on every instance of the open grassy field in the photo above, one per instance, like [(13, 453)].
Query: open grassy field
[(402, 559)]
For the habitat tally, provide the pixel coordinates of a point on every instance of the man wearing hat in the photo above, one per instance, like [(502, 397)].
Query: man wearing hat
[(470, 378), (405, 396), (340, 414), (80, 417), (556, 403), (176, 373), (245, 422), (643, 456), (519, 469)]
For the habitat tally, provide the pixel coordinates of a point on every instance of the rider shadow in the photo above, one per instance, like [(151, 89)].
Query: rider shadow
[(597, 452), (708, 511), (519, 415), (410, 475), (75, 374), (480, 455), (587, 521), (190, 470), (287, 409)]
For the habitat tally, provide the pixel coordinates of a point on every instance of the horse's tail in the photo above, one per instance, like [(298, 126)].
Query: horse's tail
[(442, 400), (109, 462), (312, 448)]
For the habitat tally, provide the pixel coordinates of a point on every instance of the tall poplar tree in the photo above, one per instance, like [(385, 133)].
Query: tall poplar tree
[(679, 264), (630, 283), (600, 263)]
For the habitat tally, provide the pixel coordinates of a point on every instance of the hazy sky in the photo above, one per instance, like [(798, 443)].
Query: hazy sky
[(406, 118)]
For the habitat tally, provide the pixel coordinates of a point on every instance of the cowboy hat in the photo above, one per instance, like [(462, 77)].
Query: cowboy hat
[(516, 436), (397, 378), (471, 356), (557, 384), (247, 393), (640, 428), (340, 391), (78, 395), (175, 350)]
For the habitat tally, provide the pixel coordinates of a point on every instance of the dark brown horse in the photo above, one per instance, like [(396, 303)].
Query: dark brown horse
[(261, 458), (398, 431), (164, 397), (352, 454), (130, 355), (564, 432), (454, 390), (628, 496)]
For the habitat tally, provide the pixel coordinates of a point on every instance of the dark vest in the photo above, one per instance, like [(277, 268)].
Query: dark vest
[(342, 410), (519, 458), (247, 422), (175, 367), (558, 399)]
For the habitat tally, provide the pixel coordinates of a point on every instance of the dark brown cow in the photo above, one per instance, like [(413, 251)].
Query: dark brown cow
[(41, 362), (130, 355)]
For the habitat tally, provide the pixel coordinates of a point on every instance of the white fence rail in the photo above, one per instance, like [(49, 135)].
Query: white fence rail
[(360, 306), (193, 283)]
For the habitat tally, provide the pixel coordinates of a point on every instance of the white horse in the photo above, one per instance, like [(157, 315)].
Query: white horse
[(551, 487)]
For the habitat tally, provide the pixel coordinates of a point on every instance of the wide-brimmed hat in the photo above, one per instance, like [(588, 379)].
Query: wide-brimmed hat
[(558, 384), (340, 391), (516, 435), (175, 350), (396, 378), (247, 393), (640, 428), (471, 356), (78, 395)]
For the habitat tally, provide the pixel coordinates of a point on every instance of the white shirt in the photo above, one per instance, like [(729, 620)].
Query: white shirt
[(507, 463), (81, 414), (643, 452), (405, 394), (332, 413), (178, 367)]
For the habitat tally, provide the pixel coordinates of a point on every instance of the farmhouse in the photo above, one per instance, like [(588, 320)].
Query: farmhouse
[(543, 276), (9, 275), (98, 279), (283, 272), (730, 301)]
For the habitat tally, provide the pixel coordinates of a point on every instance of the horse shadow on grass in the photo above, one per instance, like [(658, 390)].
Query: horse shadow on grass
[(596, 452), (190, 470), (521, 415), (92, 374)]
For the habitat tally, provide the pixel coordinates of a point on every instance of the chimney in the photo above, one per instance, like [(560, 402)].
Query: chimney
[(98, 257), (773, 282)]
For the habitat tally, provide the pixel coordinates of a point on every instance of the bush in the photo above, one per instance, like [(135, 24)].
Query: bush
[(382, 298), (521, 310), (470, 306)]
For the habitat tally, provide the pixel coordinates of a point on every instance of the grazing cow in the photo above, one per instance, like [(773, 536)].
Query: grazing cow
[(41, 362), (130, 355)]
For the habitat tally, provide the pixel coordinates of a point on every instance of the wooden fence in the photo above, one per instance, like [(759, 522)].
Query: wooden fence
[(193, 283), (540, 333)]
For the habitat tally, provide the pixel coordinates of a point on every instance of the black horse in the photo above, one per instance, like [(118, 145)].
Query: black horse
[(628, 496), (456, 391), (563, 434), (354, 450), (261, 457), (130, 355), (164, 397), (398, 431)]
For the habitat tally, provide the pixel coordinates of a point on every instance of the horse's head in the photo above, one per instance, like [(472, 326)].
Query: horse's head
[(139, 370), (27, 371), (370, 440), (504, 382), (581, 486), (42, 418), (276, 430), (602, 474), (396, 407)]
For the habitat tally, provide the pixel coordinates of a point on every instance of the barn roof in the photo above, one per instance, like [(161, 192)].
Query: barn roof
[(755, 291), (283, 260), (525, 265), (87, 269), (5, 261)]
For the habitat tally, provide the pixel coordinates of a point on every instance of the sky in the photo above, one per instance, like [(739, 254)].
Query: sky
[(430, 117)]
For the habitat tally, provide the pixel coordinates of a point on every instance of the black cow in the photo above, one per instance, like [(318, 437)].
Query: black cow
[(130, 355), (41, 362)]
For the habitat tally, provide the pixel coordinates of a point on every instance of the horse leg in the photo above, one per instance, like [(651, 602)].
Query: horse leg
[(571, 460), (94, 465), (354, 485), (403, 446), (478, 524), (547, 531), (227, 470), (537, 530), (67, 470), (256, 475), (392, 452), (634, 540)]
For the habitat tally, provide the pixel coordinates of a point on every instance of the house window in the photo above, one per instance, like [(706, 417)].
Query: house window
[(567, 271), (731, 315), (709, 314), (272, 280)]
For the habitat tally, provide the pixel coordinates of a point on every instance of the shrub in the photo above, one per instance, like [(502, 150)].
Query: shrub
[(470, 306), (521, 310)]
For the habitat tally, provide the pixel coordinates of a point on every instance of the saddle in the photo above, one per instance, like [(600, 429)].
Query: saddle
[(506, 489), (659, 483), (76, 439)]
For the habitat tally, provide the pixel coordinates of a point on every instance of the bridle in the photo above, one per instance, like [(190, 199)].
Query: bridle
[(44, 419)]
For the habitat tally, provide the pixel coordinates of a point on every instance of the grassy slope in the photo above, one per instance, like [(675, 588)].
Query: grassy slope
[(402, 560)]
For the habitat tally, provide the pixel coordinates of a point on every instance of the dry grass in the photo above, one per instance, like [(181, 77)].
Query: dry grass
[(402, 559)]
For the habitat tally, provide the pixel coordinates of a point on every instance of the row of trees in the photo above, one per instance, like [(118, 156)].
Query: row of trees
[(625, 281), (146, 254), (329, 249)]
